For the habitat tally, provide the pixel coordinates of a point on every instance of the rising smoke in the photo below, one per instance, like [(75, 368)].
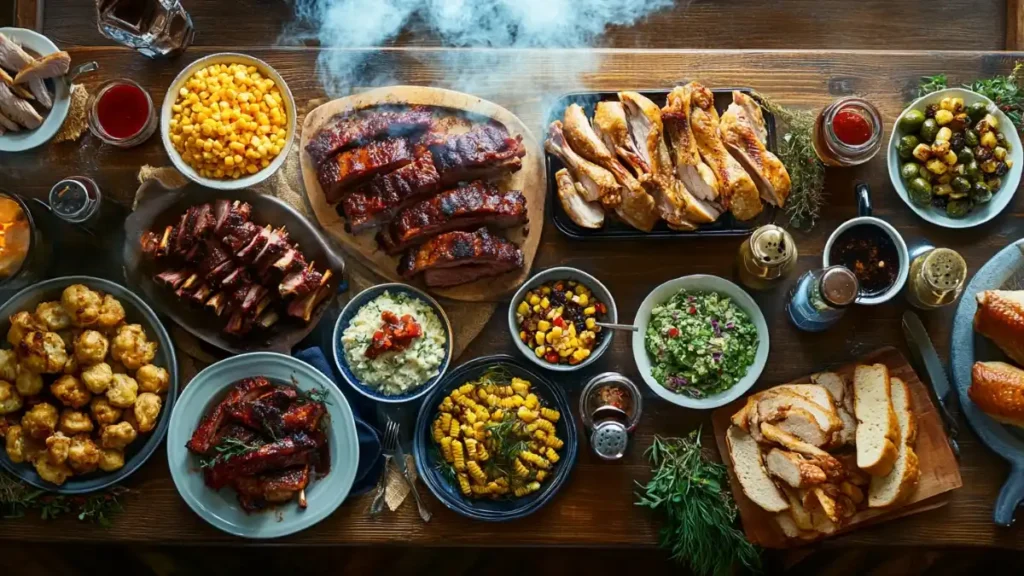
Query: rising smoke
[(345, 25)]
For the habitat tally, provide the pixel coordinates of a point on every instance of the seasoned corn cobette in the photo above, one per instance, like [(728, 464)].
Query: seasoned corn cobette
[(496, 438), (229, 121)]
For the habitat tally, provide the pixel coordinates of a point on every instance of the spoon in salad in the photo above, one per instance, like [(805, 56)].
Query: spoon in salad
[(622, 327)]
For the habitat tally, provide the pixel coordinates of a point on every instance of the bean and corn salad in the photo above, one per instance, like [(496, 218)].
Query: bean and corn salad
[(557, 320), (496, 438), (229, 121), (954, 155)]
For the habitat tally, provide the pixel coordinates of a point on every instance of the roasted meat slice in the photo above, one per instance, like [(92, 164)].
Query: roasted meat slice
[(19, 90), (381, 198), (173, 278), (585, 141), (611, 127), (358, 128), (276, 245), (300, 282), (248, 253), (458, 257), (237, 237), (464, 208), (205, 436), (297, 450), (741, 134), (598, 182), (302, 416), (257, 492), (17, 109), (229, 216), (9, 125), (347, 170), (585, 214), (14, 58), (305, 306), (484, 152), (698, 177), (49, 66), (263, 413)]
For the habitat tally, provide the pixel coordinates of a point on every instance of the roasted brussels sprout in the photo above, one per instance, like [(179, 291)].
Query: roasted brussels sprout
[(961, 184), (906, 145), (958, 208), (909, 171), (965, 156), (919, 190), (971, 138), (928, 130), (980, 193), (977, 111), (912, 121)]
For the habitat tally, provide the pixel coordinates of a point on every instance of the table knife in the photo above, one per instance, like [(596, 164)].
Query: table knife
[(403, 469), (925, 356)]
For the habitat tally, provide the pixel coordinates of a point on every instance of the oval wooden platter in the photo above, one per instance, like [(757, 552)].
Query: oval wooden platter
[(530, 180)]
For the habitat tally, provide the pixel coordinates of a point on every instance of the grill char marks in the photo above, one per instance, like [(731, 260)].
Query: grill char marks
[(363, 127), (386, 194), (351, 168), (464, 208), (485, 151), (458, 257)]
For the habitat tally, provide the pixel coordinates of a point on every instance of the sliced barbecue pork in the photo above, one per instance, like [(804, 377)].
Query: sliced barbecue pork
[(465, 208), (296, 450), (205, 436), (358, 128), (347, 170), (483, 152), (379, 200), (455, 258)]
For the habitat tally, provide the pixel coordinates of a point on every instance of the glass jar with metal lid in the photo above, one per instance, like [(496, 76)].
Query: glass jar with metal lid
[(610, 407), (768, 256)]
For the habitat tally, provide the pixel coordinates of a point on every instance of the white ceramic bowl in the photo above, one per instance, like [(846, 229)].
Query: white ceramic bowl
[(983, 212), (36, 43), (172, 95), (551, 275), (704, 283)]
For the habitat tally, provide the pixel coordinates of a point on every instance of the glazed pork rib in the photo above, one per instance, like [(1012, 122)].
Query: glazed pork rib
[(484, 152), (356, 129), (344, 172), (297, 450), (464, 208), (206, 435), (455, 258), (381, 198)]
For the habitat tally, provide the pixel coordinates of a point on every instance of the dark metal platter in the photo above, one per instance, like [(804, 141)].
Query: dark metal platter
[(726, 225), (160, 207), (1004, 271)]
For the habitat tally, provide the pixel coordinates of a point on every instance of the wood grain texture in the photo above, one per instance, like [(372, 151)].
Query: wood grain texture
[(28, 14), (530, 179), (1014, 25), (939, 470), (596, 508), (781, 24)]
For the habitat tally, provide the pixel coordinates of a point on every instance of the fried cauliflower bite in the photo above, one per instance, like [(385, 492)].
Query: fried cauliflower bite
[(111, 312), (84, 455), (70, 391), (122, 391), (91, 347), (57, 448), (111, 460), (71, 366), (103, 412), (10, 400), (153, 379), (43, 352), (131, 348), (21, 324), (53, 316), (117, 436), (8, 365), (15, 441), (82, 305), (28, 382), (97, 377), (74, 422), (52, 473), (40, 420), (147, 411)]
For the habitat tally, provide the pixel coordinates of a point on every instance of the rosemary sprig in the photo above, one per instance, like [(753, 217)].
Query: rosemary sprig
[(692, 493), (796, 150), (228, 449), (931, 84), (16, 498)]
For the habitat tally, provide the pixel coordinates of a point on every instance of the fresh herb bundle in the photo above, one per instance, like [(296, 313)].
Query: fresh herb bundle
[(693, 494), (16, 498), (227, 449), (1005, 91), (931, 84), (807, 173)]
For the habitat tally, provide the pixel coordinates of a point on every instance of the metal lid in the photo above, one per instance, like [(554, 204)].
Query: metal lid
[(944, 269), (771, 246), (609, 440), (839, 286), (588, 403)]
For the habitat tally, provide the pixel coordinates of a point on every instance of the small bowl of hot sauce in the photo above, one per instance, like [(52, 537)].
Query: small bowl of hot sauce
[(121, 113)]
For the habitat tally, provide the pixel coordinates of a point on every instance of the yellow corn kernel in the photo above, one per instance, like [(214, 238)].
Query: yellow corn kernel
[(540, 351), (544, 325), (534, 300), (556, 332), (539, 337), (583, 300), (590, 323)]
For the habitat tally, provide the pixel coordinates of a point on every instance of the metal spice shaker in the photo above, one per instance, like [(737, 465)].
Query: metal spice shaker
[(610, 406)]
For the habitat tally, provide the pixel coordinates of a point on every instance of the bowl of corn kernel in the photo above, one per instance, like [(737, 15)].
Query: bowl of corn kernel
[(228, 121), (553, 319)]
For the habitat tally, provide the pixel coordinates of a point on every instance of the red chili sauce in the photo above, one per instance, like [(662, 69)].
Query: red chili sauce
[(851, 128), (123, 111), (395, 334)]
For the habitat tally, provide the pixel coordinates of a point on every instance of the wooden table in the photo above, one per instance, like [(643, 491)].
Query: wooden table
[(595, 508)]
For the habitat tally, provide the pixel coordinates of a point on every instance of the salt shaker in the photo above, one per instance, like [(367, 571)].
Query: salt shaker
[(610, 407)]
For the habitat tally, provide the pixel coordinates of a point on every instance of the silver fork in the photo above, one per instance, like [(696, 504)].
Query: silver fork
[(390, 446), (403, 469)]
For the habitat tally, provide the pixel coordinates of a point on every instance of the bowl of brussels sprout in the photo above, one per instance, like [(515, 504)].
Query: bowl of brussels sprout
[(955, 158)]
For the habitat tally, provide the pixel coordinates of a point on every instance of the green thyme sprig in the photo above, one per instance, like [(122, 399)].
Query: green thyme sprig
[(227, 449), (1004, 90), (17, 498)]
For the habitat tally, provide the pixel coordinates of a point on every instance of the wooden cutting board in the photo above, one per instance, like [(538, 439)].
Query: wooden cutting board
[(940, 472), (530, 180)]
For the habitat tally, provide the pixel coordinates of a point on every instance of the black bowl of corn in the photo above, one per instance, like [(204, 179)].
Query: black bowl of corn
[(553, 319)]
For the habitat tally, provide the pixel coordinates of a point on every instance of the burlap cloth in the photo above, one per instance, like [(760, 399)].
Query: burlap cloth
[(467, 318)]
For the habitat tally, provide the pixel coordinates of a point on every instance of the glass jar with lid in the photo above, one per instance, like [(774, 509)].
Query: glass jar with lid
[(848, 132)]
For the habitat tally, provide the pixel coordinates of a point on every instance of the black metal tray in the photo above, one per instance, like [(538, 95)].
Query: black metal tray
[(726, 225)]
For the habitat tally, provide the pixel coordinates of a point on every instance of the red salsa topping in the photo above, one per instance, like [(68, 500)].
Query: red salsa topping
[(395, 334), (851, 128), (123, 111)]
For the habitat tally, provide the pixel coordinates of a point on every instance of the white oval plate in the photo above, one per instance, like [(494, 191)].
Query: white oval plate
[(981, 213), (36, 43), (705, 283), (221, 509)]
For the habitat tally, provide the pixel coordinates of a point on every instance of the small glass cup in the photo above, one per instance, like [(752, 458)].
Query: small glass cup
[(147, 130), (833, 151), (156, 28)]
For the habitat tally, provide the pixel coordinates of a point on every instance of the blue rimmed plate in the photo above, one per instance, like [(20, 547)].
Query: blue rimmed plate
[(221, 509), (345, 319), (504, 509)]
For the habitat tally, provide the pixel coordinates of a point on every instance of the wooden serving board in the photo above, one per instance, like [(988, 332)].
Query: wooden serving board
[(530, 180), (940, 472)]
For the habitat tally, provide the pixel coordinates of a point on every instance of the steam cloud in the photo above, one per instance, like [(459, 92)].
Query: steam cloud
[(348, 24)]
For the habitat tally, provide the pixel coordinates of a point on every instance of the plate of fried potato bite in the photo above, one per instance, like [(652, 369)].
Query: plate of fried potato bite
[(88, 378)]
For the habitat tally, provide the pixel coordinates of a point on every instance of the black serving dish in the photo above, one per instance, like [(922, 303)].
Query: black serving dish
[(159, 207), (726, 225)]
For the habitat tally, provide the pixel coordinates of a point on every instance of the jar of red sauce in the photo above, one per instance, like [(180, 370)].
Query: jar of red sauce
[(848, 132), (121, 113)]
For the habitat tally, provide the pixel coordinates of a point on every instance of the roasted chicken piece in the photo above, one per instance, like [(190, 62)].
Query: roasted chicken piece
[(49, 66), (741, 133), (698, 177), (585, 141), (645, 126), (597, 181), (19, 90), (17, 109), (570, 193), (1000, 318), (12, 57), (611, 127), (998, 389)]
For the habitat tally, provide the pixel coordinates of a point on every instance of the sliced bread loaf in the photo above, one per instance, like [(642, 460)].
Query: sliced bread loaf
[(750, 470), (901, 481), (877, 430), (793, 469)]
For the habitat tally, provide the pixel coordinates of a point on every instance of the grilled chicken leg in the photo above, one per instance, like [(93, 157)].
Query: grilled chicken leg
[(741, 133), (583, 213), (596, 181)]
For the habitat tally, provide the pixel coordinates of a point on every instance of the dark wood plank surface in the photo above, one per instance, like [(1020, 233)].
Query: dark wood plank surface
[(782, 24), (595, 507)]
